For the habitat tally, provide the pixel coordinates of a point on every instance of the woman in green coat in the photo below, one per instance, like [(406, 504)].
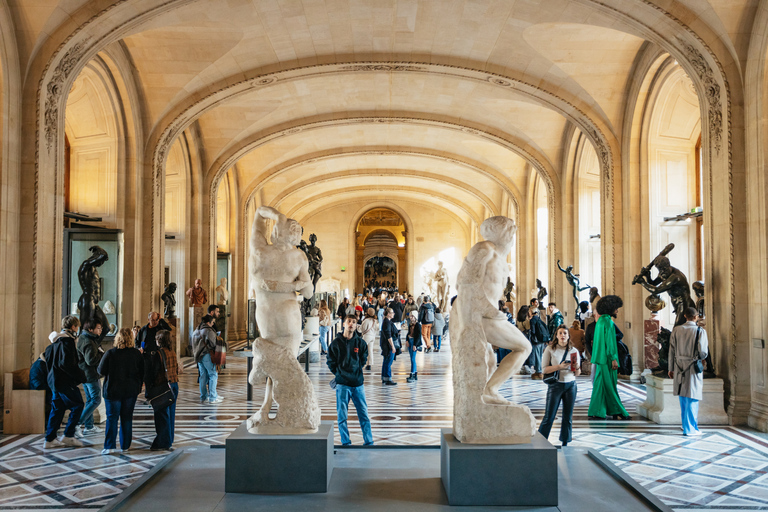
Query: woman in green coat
[(605, 399)]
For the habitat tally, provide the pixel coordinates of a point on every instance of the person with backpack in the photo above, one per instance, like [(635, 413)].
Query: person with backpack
[(605, 399), (562, 358), (414, 342), (89, 355), (688, 348), (437, 329), (64, 377), (203, 345), (539, 336), (426, 318)]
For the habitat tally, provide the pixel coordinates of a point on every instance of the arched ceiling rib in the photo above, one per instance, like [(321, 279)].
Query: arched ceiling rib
[(466, 194)]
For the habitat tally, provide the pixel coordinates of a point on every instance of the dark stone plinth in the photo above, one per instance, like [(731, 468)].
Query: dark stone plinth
[(498, 474), (258, 463)]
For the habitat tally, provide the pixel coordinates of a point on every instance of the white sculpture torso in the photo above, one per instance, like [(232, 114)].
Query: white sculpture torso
[(481, 414), (277, 272)]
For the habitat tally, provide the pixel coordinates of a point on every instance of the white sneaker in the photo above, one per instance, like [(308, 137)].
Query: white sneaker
[(109, 451), (71, 441), (693, 434), (217, 400), (79, 432), (92, 431), (48, 445)]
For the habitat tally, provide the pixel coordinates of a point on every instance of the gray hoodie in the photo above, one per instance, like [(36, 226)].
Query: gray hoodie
[(203, 341)]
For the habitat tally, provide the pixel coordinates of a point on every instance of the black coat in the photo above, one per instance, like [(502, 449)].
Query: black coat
[(388, 330), (589, 335), (123, 370), (63, 370), (346, 358), (539, 332)]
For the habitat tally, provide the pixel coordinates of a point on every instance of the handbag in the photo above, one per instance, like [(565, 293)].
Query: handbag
[(698, 365), (553, 378), (219, 355), (161, 394)]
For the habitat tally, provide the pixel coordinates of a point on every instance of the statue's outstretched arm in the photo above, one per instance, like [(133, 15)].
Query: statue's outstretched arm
[(558, 266)]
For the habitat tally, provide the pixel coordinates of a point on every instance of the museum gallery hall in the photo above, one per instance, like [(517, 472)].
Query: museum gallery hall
[(384, 255)]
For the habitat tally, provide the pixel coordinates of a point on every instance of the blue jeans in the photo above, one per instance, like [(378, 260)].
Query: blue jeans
[(565, 392), (380, 316), (208, 378), (537, 352), (357, 394), (689, 408), (119, 410), (412, 353), (63, 399), (165, 422), (324, 337), (93, 399), (436, 339), (386, 366)]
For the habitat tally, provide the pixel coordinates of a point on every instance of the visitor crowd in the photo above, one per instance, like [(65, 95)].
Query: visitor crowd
[(139, 358)]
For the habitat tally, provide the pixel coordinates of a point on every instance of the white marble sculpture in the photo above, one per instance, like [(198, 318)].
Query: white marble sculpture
[(279, 276), (441, 292), (480, 414), (222, 292)]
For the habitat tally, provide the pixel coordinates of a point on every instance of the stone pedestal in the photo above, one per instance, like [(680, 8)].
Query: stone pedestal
[(258, 463), (662, 407), (650, 343), (498, 475), (196, 314)]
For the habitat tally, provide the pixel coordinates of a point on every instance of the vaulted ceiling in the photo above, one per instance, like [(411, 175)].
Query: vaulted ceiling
[(452, 102)]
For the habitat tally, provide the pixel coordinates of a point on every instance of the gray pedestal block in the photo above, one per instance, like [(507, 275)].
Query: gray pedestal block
[(258, 463), (496, 474)]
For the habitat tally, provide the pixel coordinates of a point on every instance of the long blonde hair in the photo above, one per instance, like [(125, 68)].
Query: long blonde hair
[(124, 338)]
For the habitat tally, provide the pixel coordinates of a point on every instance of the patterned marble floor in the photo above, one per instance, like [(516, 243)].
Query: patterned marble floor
[(723, 470)]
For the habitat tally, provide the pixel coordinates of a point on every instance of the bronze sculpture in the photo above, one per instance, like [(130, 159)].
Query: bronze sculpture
[(542, 293), (88, 276), (169, 300), (315, 257), (670, 280), (573, 280)]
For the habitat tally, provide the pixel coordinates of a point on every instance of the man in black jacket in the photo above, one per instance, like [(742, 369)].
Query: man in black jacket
[(89, 354), (146, 340), (346, 357), (64, 375)]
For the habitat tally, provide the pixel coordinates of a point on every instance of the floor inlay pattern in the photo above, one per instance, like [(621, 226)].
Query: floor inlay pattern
[(723, 470)]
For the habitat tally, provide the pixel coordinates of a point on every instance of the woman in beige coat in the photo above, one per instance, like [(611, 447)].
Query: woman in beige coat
[(368, 330)]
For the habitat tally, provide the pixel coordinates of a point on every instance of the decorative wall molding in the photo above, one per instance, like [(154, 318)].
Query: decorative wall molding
[(711, 91)]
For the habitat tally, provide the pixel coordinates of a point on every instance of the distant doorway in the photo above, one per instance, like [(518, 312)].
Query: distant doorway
[(381, 271), (381, 251)]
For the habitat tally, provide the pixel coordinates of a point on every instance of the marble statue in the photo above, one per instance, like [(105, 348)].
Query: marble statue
[(222, 292), (573, 280), (109, 308), (197, 295), (112, 330), (481, 415), (280, 277), (670, 280), (169, 299), (90, 283), (441, 288)]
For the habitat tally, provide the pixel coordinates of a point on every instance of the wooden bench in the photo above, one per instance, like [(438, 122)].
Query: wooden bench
[(24, 409)]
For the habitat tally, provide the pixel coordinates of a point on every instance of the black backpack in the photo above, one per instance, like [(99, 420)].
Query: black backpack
[(625, 359)]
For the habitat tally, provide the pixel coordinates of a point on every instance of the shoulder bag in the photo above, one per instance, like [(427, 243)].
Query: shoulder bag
[(554, 377), (160, 396)]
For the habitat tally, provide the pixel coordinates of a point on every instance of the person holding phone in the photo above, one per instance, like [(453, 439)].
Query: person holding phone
[(560, 356)]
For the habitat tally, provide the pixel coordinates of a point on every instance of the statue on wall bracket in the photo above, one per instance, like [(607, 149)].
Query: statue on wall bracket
[(90, 283), (279, 273)]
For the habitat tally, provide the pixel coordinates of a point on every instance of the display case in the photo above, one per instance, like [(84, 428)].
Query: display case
[(77, 242)]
